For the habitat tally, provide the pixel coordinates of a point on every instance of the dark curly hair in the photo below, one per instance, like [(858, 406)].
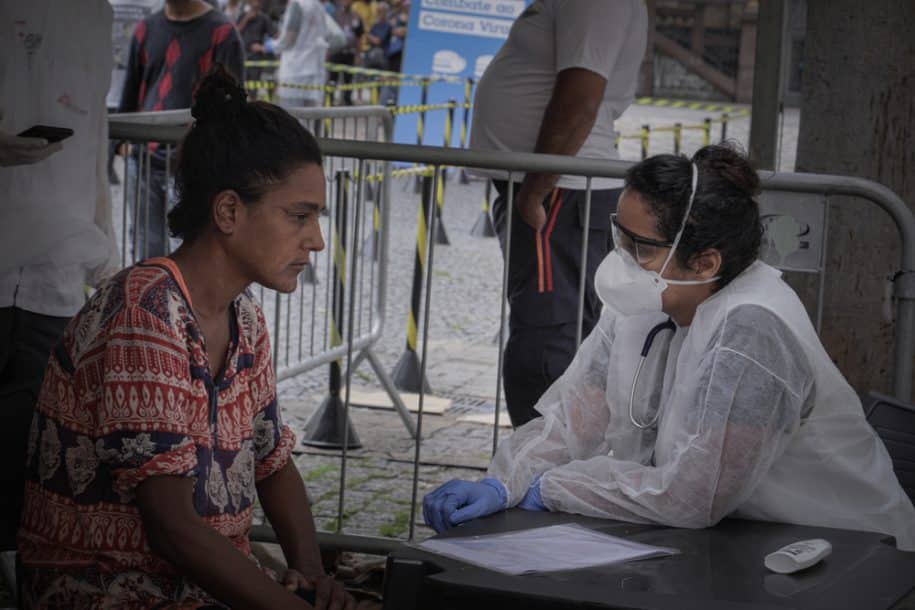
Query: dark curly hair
[(724, 216), (233, 145)]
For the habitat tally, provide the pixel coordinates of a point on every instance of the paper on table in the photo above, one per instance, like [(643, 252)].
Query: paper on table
[(544, 549)]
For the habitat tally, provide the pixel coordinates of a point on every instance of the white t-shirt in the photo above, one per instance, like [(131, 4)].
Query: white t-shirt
[(55, 215), (607, 37)]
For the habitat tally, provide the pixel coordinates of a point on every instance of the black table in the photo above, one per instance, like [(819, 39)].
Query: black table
[(717, 568)]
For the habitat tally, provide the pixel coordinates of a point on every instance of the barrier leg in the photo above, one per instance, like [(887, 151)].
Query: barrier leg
[(372, 246), (465, 123), (441, 235), (421, 125), (483, 226), (678, 137), (407, 374), (329, 426), (646, 132)]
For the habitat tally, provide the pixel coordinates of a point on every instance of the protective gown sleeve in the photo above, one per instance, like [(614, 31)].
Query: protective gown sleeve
[(746, 405), (573, 423)]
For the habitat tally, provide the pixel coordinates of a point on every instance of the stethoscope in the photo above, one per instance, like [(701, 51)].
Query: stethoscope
[(668, 325)]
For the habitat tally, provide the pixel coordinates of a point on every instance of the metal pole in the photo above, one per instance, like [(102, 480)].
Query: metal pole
[(767, 83), (430, 242), (506, 256), (421, 116), (583, 276), (354, 257), (407, 375), (441, 235), (146, 232), (166, 243), (646, 131)]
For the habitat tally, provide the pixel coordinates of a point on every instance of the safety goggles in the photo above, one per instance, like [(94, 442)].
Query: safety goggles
[(642, 249)]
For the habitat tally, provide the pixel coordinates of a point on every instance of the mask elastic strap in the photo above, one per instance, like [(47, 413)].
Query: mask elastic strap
[(689, 207)]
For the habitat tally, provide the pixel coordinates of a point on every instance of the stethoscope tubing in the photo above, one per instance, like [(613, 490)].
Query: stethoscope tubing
[(646, 347)]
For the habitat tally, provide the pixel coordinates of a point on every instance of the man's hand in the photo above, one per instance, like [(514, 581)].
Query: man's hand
[(329, 593), (530, 207), (256, 47), (24, 151)]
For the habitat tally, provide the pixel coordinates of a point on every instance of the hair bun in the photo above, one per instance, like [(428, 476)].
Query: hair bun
[(218, 96), (730, 164)]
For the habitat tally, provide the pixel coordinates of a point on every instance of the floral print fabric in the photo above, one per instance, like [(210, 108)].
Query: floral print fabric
[(128, 395)]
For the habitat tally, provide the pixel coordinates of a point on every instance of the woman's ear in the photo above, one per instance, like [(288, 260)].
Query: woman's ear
[(707, 264), (226, 206)]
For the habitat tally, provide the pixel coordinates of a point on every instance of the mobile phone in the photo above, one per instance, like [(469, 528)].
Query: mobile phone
[(51, 134)]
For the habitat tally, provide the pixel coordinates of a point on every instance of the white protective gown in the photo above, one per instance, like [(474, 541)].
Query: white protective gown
[(756, 422)]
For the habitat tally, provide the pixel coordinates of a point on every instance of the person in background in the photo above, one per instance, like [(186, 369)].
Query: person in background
[(570, 70), (127, 14), (233, 9), (704, 392), (302, 46), (351, 24), (55, 216), (379, 38), (399, 20), (170, 51), (275, 8), (255, 27), (158, 427), (366, 11)]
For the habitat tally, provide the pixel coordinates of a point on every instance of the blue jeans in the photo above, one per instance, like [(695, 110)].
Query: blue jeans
[(148, 227)]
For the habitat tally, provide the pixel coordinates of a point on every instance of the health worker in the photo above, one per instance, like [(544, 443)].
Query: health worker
[(704, 390)]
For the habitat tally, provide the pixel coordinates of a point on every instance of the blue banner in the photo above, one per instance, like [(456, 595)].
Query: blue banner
[(456, 40)]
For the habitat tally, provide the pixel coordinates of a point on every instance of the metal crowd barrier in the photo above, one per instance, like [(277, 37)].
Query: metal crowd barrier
[(308, 326), (803, 190)]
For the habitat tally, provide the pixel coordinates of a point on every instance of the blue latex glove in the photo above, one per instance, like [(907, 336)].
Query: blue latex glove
[(270, 45), (532, 499), (459, 501)]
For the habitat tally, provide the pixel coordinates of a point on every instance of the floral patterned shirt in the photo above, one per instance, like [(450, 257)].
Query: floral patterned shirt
[(128, 395)]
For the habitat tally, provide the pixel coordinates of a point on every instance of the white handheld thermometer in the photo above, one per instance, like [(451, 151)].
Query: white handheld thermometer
[(798, 555)]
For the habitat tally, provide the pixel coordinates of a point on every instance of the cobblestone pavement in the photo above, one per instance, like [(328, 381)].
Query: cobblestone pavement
[(462, 354)]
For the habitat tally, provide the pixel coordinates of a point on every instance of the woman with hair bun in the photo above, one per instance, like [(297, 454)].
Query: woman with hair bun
[(158, 428), (704, 390)]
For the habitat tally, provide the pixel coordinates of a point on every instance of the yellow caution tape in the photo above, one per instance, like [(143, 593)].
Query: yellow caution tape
[(734, 111), (363, 71)]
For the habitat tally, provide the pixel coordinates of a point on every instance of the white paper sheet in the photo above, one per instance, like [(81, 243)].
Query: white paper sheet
[(544, 549)]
